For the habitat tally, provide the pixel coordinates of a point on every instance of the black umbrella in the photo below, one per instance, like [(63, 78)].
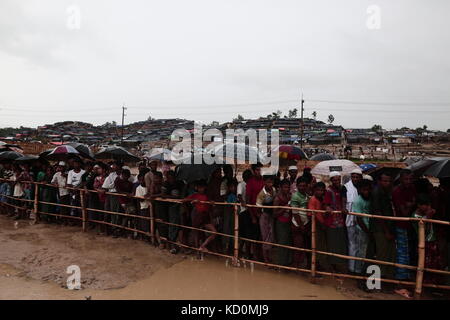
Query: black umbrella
[(83, 149), (46, 153), (323, 157), (27, 158), (116, 153), (440, 169), (194, 172), (419, 167), (10, 155)]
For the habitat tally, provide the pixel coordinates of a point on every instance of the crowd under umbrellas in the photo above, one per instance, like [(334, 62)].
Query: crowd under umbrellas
[(336, 187)]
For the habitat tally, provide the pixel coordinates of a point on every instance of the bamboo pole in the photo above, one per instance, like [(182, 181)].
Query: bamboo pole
[(421, 260), (36, 203), (313, 248), (236, 236), (152, 222), (83, 210)]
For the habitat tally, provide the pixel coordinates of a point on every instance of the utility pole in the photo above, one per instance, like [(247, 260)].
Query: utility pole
[(123, 122), (302, 123)]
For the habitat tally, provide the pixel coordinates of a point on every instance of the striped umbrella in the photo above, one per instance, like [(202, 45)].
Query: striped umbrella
[(62, 153)]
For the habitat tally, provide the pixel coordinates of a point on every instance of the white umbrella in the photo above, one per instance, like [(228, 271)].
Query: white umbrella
[(345, 167)]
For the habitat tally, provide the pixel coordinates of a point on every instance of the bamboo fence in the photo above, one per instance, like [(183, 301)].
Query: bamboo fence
[(235, 258)]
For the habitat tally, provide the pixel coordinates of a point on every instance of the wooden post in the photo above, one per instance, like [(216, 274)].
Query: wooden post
[(421, 260), (236, 236), (83, 210), (36, 202), (152, 222), (313, 247)]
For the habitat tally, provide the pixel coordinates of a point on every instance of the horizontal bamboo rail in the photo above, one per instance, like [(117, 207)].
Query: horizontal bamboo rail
[(420, 269)]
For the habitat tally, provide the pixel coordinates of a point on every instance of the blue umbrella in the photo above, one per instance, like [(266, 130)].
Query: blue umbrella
[(367, 166)]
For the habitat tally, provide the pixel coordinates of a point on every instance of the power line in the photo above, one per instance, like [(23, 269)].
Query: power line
[(421, 104)]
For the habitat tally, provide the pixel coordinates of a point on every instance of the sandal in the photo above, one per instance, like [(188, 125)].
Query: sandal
[(404, 293)]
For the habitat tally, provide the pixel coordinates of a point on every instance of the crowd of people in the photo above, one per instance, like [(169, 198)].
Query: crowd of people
[(256, 191)]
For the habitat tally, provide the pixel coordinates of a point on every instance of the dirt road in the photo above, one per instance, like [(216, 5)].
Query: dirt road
[(34, 259)]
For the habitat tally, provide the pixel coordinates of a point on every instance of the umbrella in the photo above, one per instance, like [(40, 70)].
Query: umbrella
[(159, 154), (377, 172), (116, 153), (323, 157), (345, 167), (10, 147), (9, 155), (27, 158), (83, 149), (419, 167), (45, 153), (241, 151), (193, 172), (440, 169), (62, 153), (367, 166), (290, 152), (411, 160)]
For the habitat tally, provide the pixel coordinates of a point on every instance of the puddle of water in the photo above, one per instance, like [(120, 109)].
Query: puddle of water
[(189, 279)]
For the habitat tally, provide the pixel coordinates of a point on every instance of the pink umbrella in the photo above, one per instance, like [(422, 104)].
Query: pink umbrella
[(62, 153)]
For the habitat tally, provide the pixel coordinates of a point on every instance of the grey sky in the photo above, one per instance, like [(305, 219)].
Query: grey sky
[(206, 59)]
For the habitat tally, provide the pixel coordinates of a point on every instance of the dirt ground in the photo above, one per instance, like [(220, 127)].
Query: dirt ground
[(45, 251), (34, 259)]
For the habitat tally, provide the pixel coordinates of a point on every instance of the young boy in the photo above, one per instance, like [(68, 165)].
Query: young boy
[(125, 186), (160, 208), (266, 198), (433, 258), (361, 235), (301, 225), (317, 203), (283, 220), (228, 223), (141, 191), (201, 214)]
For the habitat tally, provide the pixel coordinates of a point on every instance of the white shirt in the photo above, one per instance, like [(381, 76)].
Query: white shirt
[(242, 191), (109, 183), (60, 181), (352, 194), (74, 178), (141, 192), (18, 190)]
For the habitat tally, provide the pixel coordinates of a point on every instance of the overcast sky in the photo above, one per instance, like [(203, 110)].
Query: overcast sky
[(210, 60)]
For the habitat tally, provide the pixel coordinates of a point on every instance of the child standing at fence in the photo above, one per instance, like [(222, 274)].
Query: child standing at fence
[(361, 234), (228, 219), (335, 222), (283, 218), (265, 198), (432, 253), (74, 179), (317, 203), (201, 214), (125, 186), (144, 206), (301, 224), (160, 208), (60, 180)]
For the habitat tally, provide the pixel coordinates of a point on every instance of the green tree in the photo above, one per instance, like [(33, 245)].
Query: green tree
[(377, 128), (314, 114), (293, 113), (239, 118), (330, 119)]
